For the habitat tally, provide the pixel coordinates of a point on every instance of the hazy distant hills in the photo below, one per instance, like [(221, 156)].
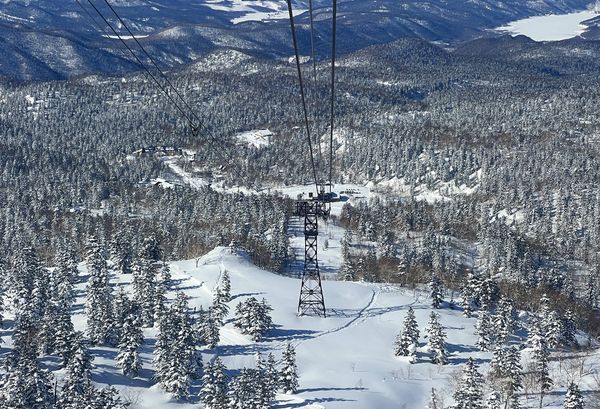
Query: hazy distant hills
[(49, 39)]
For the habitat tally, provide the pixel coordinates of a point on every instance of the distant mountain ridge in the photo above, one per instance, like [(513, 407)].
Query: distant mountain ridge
[(46, 39)]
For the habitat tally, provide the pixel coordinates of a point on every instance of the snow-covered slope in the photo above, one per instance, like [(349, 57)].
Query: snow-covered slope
[(345, 360)]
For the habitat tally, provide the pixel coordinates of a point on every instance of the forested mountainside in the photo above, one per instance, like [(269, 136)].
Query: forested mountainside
[(57, 40), (470, 186)]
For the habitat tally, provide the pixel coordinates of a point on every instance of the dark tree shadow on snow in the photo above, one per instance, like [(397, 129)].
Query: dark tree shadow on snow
[(309, 402), (280, 334), (306, 390), (233, 297)]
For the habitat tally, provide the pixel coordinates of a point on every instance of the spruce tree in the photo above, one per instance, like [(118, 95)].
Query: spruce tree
[(549, 322), (145, 288), (470, 293), (108, 398), (24, 281), (78, 386), (408, 341), (469, 392), (122, 252), (209, 330), (132, 338), (504, 321), (25, 384), (436, 289), (99, 296), (253, 318), (493, 401), (288, 374), (213, 393), (568, 329), (225, 286), (484, 330), (574, 398), (271, 376), (244, 390), (65, 336), (175, 354), (347, 270), (266, 390), (541, 354), (219, 309), (437, 340)]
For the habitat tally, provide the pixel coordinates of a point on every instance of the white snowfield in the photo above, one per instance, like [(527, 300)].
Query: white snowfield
[(344, 361), (254, 10), (551, 27)]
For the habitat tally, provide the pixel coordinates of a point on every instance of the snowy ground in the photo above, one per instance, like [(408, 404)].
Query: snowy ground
[(550, 27), (345, 360)]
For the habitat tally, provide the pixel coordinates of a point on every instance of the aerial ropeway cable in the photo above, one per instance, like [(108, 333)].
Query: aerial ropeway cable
[(314, 72), (302, 94), (190, 115), (158, 83), (199, 122), (332, 123)]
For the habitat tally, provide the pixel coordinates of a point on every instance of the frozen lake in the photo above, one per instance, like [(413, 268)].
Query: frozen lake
[(550, 27)]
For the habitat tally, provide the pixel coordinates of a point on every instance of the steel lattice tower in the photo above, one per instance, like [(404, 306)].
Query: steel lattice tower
[(311, 300)]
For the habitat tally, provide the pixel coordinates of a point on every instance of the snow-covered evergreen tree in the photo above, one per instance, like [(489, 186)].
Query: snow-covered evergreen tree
[(574, 398), (131, 340), (408, 340), (288, 375), (121, 252), (145, 276), (507, 373), (484, 330), (175, 354), (469, 295), (99, 296), (253, 318), (549, 322), (504, 320), (108, 398), (25, 384), (347, 270), (271, 376), (209, 329), (78, 386), (160, 295), (244, 390), (469, 393), (493, 401), (219, 309), (540, 355), (213, 393), (436, 290), (436, 340), (267, 381), (568, 329), (225, 286)]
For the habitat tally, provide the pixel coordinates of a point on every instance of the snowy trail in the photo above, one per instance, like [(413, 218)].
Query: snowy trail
[(360, 317)]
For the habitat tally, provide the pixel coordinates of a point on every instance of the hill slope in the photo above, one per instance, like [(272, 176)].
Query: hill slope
[(345, 360)]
